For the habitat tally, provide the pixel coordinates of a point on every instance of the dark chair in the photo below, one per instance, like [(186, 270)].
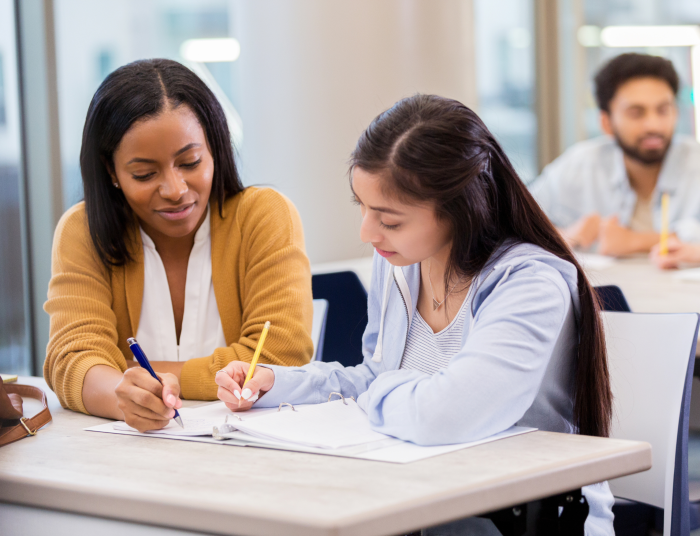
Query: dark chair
[(612, 299), (347, 315)]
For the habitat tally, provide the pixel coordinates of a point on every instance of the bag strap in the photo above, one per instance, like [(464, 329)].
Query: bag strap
[(26, 426)]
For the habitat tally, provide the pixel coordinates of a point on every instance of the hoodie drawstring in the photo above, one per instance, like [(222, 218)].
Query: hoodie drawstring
[(377, 357)]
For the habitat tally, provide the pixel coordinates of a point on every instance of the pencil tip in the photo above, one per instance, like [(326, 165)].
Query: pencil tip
[(267, 325)]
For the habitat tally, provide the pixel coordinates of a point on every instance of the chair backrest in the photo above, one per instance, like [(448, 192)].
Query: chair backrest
[(318, 328), (612, 299), (347, 315), (651, 359)]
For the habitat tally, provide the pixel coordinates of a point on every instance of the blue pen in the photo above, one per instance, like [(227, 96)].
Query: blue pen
[(143, 361)]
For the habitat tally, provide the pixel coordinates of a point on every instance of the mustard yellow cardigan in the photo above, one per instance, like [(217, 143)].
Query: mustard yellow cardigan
[(259, 270)]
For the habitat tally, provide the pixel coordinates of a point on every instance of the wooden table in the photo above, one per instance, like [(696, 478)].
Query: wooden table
[(249, 491)]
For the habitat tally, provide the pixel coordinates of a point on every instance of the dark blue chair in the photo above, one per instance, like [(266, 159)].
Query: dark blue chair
[(347, 315), (612, 299)]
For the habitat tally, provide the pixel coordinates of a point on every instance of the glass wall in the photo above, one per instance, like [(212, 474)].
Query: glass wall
[(505, 66), (118, 33), (14, 352), (592, 17)]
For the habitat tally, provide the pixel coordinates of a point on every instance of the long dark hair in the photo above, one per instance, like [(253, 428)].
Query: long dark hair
[(137, 91), (434, 149)]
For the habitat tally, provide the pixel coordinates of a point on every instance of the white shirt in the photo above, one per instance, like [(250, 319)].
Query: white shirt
[(428, 351), (202, 331), (591, 177)]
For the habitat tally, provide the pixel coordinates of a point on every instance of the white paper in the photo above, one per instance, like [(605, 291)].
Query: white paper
[(385, 449), (592, 261), (197, 421), (691, 274), (333, 425)]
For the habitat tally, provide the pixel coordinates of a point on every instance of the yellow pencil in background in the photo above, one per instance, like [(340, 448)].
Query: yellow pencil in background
[(256, 356), (663, 243)]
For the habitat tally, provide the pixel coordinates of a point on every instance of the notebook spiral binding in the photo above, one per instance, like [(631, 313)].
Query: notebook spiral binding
[(341, 396)]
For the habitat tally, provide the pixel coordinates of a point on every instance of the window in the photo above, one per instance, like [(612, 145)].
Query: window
[(587, 54), (14, 345), (505, 66), (118, 33)]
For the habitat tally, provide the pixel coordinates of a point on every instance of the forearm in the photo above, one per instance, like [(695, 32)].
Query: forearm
[(99, 397)]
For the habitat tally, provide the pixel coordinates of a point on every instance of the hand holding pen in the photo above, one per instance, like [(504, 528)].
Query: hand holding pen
[(240, 384), (148, 400)]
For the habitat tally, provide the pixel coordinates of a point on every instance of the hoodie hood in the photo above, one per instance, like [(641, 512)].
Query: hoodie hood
[(507, 259)]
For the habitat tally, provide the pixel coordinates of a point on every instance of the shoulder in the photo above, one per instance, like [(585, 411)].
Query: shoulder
[(590, 151), (582, 158), (72, 241), (688, 149), (259, 201), (257, 209), (72, 229), (529, 266)]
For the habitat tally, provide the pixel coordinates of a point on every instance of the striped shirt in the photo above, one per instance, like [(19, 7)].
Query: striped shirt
[(428, 351)]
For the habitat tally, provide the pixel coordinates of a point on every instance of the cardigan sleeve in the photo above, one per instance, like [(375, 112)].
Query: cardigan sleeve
[(274, 281), (83, 326)]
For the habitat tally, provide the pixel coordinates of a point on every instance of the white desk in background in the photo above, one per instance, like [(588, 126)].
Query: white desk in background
[(109, 484)]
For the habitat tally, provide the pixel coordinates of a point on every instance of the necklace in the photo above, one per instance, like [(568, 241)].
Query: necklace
[(437, 304)]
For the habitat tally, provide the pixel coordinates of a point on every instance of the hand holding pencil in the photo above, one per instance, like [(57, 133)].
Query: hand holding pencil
[(240, 383)]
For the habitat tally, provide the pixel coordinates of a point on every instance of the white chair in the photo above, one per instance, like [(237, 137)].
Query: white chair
[(318, 328), (651, 359)]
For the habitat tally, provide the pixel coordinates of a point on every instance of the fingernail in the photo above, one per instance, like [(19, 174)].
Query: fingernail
[(171, 414), (254, 398), (171, 399), (246, 393), (237, 394)]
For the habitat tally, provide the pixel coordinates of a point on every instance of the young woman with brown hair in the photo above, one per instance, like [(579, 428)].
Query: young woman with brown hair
[(480, 317)]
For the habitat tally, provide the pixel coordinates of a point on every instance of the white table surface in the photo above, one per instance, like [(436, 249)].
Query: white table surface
[(249, 491)]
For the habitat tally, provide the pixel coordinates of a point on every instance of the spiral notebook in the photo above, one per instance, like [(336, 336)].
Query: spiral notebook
[(339, 428)]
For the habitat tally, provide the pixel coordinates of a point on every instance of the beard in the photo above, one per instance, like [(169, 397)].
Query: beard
[(645, 156)]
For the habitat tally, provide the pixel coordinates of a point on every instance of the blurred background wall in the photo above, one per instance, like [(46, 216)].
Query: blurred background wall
[(302, 79)]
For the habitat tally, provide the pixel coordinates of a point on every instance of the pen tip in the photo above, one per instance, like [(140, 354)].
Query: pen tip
[(178, 420)]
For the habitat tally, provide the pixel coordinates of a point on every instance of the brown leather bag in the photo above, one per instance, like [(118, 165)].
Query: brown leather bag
[(13, 424)]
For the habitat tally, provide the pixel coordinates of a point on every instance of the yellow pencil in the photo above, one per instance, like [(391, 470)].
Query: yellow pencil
[(9, 378), (663, 245), (256, 356)]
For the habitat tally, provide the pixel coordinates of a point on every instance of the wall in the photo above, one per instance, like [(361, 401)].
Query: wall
[(313, 74)]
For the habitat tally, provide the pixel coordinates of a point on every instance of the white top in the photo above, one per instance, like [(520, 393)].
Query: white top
[(591, 177), (202, 331), (428, 351)]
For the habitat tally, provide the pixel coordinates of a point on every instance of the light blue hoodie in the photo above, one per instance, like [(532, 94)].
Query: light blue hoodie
[(516, 365)]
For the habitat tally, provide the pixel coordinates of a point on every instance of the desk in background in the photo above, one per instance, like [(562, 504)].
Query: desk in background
[(114, 483)]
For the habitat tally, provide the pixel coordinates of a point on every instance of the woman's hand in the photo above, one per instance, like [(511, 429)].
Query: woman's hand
[(146, 404), (678, 253), (231, 378)]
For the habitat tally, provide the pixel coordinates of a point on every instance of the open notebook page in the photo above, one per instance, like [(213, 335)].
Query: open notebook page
[(330, 425), (198, 421)]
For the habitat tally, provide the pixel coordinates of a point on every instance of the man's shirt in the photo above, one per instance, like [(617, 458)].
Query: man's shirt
[(591, 177)]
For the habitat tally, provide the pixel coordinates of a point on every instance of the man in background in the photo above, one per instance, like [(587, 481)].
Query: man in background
[(608, 189)]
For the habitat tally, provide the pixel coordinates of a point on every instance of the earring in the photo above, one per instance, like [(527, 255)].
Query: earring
[(116, 185)]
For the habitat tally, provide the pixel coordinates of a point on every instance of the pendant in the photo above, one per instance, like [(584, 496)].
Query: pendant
[(436, 305)]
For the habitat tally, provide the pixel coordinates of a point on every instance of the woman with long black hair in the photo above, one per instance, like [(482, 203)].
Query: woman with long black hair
[(480, 317), (170, 248)]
